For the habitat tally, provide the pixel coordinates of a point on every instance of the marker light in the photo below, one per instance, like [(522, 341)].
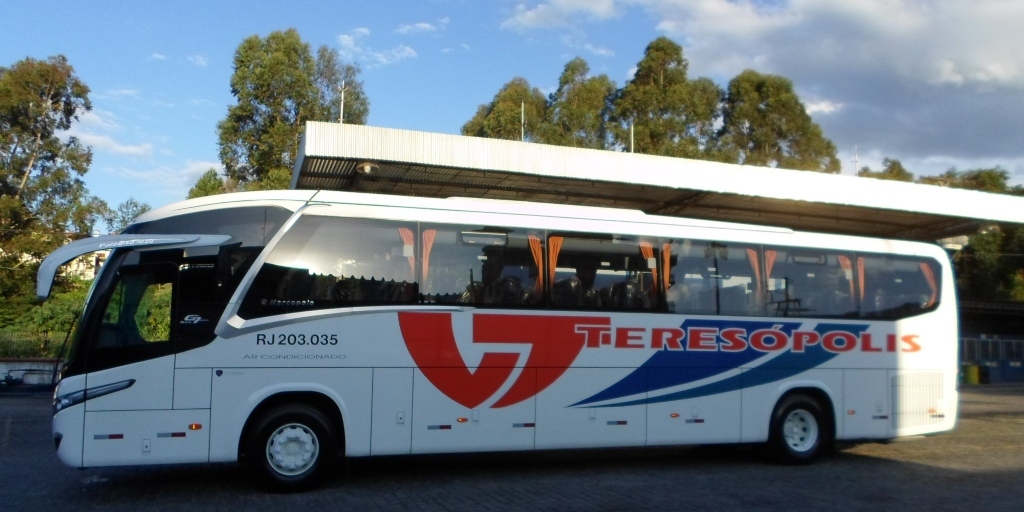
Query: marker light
[(463, 420), (195, 426), (674, 415)]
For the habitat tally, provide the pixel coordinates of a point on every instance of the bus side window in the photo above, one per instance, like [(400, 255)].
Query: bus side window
[(894, 287), (482, 266), (139, 309), (331, 262), (711, 278), (804, 282), (611, 273)]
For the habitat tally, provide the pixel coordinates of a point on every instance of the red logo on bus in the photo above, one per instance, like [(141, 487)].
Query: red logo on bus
[(554, 341)]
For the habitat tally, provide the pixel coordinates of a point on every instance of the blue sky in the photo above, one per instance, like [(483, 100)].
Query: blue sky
[(935, 84)]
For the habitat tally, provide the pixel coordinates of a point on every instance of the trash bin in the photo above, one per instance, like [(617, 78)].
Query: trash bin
[(970, 373), (983, 375)]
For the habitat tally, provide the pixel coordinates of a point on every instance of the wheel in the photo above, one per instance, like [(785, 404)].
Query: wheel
[(292, 446), (800, 432)]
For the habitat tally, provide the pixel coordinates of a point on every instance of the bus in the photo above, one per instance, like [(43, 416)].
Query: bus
[(289, 329)]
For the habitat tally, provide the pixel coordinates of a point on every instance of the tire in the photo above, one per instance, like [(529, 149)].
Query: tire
[(292, 447), (801, 430)]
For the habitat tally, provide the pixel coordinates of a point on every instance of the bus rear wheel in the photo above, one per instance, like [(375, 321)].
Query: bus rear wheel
[(292, 447), (800, 430)]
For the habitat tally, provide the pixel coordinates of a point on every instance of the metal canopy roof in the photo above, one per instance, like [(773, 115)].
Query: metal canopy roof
[(383, 160)]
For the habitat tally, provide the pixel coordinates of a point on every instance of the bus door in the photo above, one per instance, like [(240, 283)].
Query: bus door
[(138, 320)]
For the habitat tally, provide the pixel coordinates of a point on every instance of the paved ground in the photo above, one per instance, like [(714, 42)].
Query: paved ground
[(980, 467)]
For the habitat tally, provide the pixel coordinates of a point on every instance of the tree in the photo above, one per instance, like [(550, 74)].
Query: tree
[(892, 170), (279, 86), (994, 179), (669, 114), (764, 123), (43, 200), (576, 111), (208, 184), (331, 75), (503, 117), (124, 214)]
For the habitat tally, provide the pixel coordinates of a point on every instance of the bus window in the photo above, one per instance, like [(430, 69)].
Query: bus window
[(330, 262), (893, 287), (482, 266), (603, 273), (805, 282), (139, 310), (710, 278)]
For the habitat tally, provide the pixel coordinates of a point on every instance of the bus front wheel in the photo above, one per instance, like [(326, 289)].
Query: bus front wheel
[(800, 430), (292, 446)]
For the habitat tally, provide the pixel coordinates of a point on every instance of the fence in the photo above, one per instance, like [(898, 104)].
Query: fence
[(29, 345), (996, 360)]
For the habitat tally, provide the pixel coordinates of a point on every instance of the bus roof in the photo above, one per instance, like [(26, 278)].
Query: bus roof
[(401, 162)]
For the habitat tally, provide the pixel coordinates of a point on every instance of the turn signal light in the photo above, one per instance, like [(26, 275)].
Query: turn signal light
[(463, 420), (195, 426)]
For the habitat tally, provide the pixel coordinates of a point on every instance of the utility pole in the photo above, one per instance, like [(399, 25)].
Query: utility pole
[(341, 110), (522, 121)]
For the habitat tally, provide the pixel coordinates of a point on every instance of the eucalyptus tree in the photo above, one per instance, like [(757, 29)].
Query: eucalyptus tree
[(577, 109), (517, 112), (43, 198), (764, 123), (660, 111), (279, 85)]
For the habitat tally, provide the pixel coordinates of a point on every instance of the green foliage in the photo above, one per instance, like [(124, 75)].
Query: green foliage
[(503, 117), (279, 86), (153, 317), (276, 179), (43, 199), (892, 170), (670, 115), (331, 73), (208, 184), (764, 123), (985, 180), (576, 111), (124, 214)]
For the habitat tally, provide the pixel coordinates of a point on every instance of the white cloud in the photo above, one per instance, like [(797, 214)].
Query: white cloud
[(173, 182), (98, 119), (909, 79), (122, 93), (600, 51), (353, 49), (557, 13), (822, 106), (107, 144), (198, 60), (422, 27), (156, 56)]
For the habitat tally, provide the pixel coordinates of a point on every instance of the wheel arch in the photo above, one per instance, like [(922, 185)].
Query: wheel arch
[(315, 399), (819, 395)]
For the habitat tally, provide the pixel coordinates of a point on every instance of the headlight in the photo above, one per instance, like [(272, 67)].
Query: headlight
[(64, 401), (70, 399)]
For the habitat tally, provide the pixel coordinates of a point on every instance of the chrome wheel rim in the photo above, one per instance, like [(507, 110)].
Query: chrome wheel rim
[(800, 430), (292, 449)]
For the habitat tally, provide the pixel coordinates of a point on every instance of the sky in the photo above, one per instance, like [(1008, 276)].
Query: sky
[(935, 84)]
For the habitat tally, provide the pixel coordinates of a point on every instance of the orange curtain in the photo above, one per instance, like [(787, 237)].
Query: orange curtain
[(647, 250), (929, 276), (554, 246), (769, 262), (538, 259), (408, 239), (752, 256), (847, 266), (428, 244), (860, 276), (666, 264)]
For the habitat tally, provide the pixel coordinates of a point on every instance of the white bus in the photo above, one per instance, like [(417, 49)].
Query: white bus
[(285, 329)]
